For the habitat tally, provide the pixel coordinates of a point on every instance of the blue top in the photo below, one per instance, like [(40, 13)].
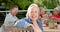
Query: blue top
[(23, 23)]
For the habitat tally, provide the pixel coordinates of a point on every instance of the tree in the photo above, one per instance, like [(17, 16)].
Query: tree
[(50, 4), (23, 4), (39, 3)]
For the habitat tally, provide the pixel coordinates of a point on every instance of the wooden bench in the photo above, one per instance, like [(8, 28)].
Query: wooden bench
[(15, 29)]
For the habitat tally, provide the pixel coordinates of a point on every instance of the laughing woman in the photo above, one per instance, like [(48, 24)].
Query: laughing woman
[(31, 19)]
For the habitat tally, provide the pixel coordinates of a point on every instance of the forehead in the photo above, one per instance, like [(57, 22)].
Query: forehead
[(56, 10), (34, 9), (15, 8)]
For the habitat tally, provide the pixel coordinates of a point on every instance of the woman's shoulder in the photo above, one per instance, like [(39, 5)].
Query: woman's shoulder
[(23, 19)]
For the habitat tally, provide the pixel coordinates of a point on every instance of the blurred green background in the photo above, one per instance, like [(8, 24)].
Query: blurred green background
[(23, 5)]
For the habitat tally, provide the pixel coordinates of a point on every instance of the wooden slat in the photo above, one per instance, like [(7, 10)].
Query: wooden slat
[(15, 29)]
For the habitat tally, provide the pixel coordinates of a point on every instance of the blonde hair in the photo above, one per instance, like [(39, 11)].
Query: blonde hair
[(30, 7)]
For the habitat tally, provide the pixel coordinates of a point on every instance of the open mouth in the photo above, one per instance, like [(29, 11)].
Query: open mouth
[(34, 16)]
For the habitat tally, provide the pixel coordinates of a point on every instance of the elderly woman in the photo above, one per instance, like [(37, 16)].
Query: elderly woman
[(31, 19), (56, 12), (56, 15)]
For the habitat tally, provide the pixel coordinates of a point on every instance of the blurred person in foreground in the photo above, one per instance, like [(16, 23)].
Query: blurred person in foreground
[(31, 19), (10, 18)]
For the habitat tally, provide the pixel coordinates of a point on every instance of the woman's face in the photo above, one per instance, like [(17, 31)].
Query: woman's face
[(33, 14), (14, 11), (42, 12), (55, 12)]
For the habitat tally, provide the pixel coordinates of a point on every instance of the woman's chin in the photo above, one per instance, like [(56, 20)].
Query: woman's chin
[(33, 19)]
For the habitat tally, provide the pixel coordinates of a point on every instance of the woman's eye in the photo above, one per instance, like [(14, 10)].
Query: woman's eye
[(35, 11)]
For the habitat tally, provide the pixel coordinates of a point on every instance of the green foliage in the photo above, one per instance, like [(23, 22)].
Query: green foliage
[(23, 4), (50, 4), (39, 2), (21, 15)]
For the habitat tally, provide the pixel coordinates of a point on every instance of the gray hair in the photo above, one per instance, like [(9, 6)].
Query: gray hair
[(30, 7), (57, 8)]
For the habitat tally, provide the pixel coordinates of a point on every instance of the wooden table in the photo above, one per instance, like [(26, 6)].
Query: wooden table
[(46, 29)]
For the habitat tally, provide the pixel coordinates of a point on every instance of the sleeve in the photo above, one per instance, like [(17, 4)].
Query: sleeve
[(22, 24)]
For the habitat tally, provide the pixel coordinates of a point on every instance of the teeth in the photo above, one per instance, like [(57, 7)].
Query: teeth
[(33, 16)]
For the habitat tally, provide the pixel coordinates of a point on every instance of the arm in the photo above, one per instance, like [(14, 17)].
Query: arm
[(35, 29), (22, 24)]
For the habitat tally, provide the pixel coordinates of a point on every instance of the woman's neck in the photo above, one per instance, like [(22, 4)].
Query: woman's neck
[(34, 22)]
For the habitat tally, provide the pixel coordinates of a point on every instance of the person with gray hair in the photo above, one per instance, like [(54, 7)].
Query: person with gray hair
[(31, 19), (56, 13)]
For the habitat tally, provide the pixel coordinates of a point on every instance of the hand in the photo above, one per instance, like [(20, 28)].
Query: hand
[(35, 29), (30, 25)]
